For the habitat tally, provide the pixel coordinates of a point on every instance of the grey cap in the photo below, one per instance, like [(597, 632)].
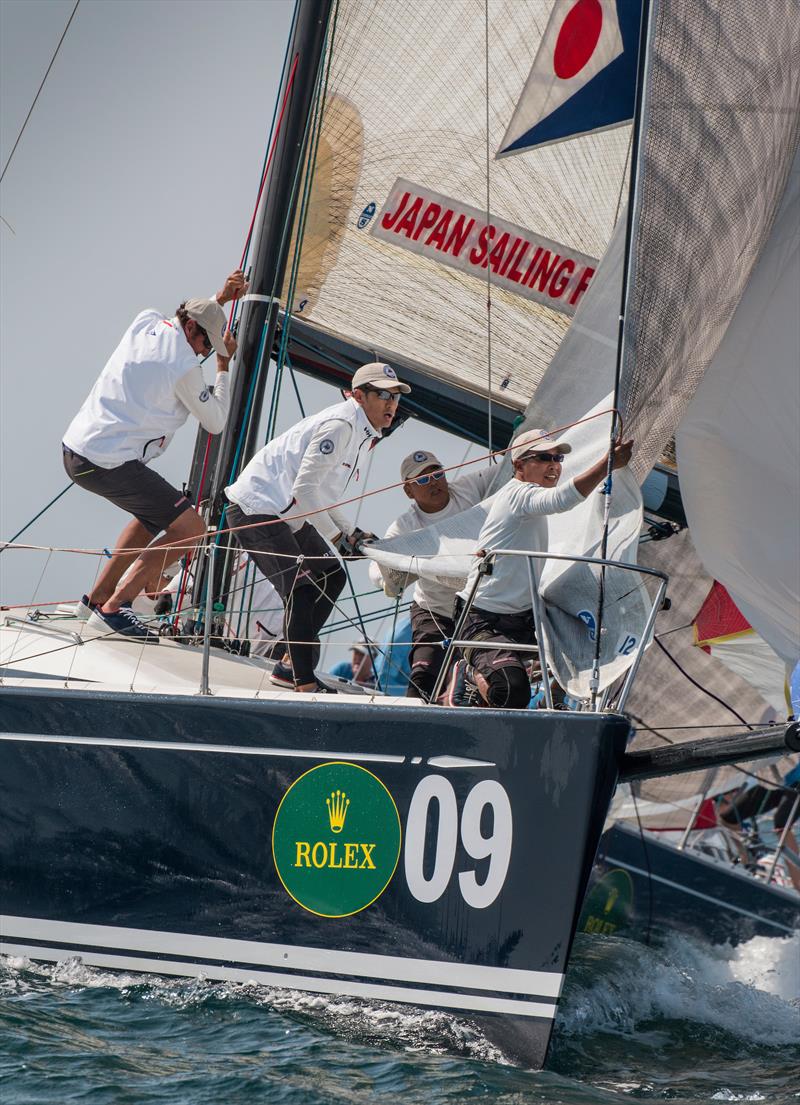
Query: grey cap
[(417, 462), (208, 314), (379, 375)]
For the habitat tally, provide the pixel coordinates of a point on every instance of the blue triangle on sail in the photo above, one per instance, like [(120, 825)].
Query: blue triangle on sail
[(597, 95)]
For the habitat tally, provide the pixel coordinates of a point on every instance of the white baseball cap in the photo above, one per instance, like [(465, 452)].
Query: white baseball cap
[(538, 441), (208, 314), (379, 375)]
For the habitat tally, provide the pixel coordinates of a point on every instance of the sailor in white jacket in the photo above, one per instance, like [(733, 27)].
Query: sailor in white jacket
[(286, 500), (150, 385), (433, 498)]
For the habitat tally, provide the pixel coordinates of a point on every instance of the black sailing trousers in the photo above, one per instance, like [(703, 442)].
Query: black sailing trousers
[(303, 570)]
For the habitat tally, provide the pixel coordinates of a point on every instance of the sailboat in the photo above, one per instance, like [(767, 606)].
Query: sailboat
[(162, 810)]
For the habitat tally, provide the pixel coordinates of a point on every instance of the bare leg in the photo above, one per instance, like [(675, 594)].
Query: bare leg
[(134, 536), (185, 531)]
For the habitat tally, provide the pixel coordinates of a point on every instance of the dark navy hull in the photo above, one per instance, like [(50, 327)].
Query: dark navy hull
[(647, 888), (137, 831)]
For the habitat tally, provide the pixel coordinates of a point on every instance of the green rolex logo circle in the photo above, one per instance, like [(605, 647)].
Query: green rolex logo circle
[(336, 839)]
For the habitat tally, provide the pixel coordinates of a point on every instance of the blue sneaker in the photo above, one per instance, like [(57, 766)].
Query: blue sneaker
[(127, 624), (282, 676)]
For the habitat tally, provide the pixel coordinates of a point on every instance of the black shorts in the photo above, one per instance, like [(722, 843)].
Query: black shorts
[(275, 549), (488, 625), (131, 486)]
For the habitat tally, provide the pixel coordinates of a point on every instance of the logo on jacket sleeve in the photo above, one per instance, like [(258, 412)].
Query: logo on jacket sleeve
[(204, 395), (326, 446)]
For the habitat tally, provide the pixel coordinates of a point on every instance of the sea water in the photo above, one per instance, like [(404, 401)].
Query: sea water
[(675, 1023)]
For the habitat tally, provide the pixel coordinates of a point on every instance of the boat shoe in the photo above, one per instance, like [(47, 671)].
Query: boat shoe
[(127, 624), (282, 675), (83, 609), (461, 689)]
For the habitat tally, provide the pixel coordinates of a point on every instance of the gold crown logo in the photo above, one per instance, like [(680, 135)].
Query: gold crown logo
[(337, 809)]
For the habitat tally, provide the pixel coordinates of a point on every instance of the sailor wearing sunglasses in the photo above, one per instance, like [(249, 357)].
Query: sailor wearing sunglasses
[(501, 610), (150, 385), (292, 487), (433, 498)]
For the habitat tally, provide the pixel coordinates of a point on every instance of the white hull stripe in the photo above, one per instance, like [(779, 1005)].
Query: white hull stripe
[(696, 894), (287, 957), (435, 999), (181, 746)]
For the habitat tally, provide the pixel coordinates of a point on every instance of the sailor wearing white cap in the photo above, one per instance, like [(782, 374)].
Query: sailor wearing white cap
[(150, 385), (291, 487), (501, 609), (434, 497)]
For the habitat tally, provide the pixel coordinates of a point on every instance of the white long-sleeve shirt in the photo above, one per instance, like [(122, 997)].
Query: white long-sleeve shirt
[(146, 391), (517, 519), (301, 475), (465, 491)]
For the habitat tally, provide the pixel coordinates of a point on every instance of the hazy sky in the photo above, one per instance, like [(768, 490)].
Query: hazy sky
[(132, 187)]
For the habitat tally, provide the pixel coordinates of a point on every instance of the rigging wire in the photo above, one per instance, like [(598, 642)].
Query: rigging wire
[(41, 86), (488, 218), (700, 686), (35, 517)]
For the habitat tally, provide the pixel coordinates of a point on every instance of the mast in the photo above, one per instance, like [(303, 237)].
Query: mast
[(634, 203), (256, 333)]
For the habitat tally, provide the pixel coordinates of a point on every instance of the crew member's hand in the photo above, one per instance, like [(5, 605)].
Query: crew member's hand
[(360, 537), (235, 287), (622, 453), (350, 545), (230, 345)]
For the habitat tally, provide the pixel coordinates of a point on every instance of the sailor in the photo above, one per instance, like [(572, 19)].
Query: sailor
[(433, 499), (150, 385), (360, 668), (501, 609), (286, 498)]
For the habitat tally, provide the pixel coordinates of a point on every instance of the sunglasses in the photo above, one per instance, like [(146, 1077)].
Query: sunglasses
[(205, 337), (423, 481), (546, 458), (382, 393)]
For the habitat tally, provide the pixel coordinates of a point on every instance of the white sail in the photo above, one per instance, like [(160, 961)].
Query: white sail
[(739, 447)]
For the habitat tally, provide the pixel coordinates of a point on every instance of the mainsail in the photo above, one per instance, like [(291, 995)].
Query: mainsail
[(418, 99)]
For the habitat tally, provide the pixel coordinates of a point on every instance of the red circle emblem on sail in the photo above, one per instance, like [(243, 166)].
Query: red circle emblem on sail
[(577, 38)]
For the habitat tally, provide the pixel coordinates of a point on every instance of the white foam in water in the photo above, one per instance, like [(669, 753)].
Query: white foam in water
[(406, 1026), (751, 991)]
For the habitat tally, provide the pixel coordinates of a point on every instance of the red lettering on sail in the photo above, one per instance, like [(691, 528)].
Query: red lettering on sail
[(458, 236), (429, 217), (477, 255), (390, 219), (561, 277), (406, 224), (515, 272), (583, 283), (437, 235)]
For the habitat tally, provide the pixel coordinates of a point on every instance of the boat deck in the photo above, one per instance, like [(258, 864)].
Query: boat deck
[(60, 650)]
